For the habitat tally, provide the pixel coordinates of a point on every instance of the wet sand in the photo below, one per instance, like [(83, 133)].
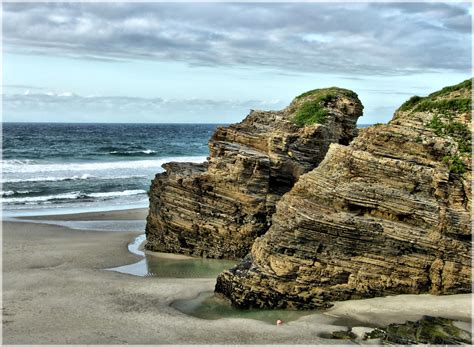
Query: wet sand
[(55, 291), (132, 214)]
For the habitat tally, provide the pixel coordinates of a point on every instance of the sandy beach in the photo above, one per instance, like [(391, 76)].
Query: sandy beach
[(56, 291)]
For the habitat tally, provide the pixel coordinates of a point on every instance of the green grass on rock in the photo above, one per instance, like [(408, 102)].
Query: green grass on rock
[(314, 111)]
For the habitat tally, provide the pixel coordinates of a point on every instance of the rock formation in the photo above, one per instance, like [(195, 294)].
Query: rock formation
[(426, 331), (389, 214), (218, 208)]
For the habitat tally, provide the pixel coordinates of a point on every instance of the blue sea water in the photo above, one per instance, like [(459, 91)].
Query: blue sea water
[(60, 165)]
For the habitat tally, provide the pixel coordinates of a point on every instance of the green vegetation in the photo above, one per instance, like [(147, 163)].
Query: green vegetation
[(467, 84), (457, 131), (458, 105), (433, 103), (437, 125), (446, 108), (332, 90), (455, 164), (445, 126), (313, 112), (310, 113), (407, 105)]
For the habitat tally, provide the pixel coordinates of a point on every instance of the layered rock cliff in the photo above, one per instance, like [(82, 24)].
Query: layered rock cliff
[(389, 214), (218, 208)]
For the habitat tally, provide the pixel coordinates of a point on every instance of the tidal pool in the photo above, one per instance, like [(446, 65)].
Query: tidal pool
[(156, 266), (171, 266), (205, 305), (208, 306)]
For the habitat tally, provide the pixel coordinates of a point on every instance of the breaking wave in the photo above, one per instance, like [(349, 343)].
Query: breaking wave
[(15, 166), (71, 196)]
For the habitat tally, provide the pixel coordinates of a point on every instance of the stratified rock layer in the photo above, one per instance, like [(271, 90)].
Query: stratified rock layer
[(218, 208), (389, 214)]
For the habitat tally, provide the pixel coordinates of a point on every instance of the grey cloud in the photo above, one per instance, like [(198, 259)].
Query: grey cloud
[(383, 38)]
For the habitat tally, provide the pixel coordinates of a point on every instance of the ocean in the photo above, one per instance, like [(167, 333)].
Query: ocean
[(85, 167)]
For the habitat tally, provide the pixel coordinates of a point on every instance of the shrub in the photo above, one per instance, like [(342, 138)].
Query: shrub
[(310, 113), (467, 84), (457, 131), (455, 164), (461, 133), (313, 111), (437, 125), (407, 105), (329, 91), (457, 105)]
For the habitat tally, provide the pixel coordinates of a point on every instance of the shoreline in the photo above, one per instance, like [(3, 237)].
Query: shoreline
[(55, 280)]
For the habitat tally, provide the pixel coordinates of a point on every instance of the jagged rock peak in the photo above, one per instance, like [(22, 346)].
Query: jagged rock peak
[(388, 214), (218, 208)]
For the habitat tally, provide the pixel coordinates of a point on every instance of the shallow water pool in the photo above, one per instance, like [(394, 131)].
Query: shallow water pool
[(170, 266), (208, 306), (156, 266)]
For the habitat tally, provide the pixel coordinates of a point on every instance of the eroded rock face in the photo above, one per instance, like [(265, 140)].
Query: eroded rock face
[(389, 214), (218, 208)]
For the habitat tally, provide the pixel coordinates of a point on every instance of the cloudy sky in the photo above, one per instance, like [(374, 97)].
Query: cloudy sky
[(211, 63)]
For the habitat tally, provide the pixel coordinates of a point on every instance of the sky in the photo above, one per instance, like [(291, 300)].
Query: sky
[(212, 62)]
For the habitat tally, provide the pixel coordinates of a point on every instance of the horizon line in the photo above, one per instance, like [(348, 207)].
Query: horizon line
[(163, 123)]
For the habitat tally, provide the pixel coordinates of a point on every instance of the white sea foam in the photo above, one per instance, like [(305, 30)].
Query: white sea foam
[(16, 166), (111, 194), (70, 196), (147, 151), (134, 247), (36, 199), (11, 192), (71, 178), (19, 162)]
